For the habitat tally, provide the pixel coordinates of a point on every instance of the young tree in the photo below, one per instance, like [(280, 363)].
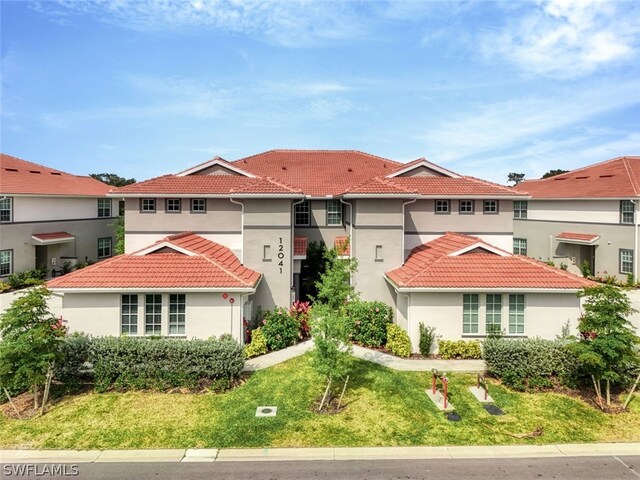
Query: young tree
[(607, 340), (335, 288), (118, 228), (30, 341)]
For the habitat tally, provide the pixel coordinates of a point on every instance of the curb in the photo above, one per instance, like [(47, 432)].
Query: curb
[(329, 453)]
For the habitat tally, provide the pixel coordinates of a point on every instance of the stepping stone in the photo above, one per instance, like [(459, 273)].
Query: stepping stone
[(438, 400), (479, 393), (493, 409), (266, 411)]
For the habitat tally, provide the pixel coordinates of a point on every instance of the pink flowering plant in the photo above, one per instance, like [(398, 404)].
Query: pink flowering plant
[(368, 322), (301, 311), (280, 328)]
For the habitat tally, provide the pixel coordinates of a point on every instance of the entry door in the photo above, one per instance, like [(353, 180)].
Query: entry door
[(42, 256)]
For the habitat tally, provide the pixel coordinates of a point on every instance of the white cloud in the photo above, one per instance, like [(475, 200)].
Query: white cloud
[(291, 23), (568, 38), (307, 88)]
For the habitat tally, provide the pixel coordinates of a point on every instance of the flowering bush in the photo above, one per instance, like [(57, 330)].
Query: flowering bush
[(280, 328), (368, 322), (301, 311)]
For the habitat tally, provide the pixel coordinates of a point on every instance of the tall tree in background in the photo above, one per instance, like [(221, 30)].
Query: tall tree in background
[(516, 178), (112, 179), (553, 173)]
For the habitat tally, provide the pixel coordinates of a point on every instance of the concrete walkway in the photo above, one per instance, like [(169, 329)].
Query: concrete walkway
[(396, 363), (329, 453)]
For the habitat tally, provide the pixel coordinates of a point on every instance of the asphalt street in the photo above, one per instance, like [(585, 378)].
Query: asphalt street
[(578, 468)]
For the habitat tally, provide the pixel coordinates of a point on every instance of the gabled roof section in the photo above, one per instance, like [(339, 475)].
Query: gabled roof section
[(378, 186), (422, 164), (210, 164), (470, 187), (20, 177), (457, 261), (618, 178), (181, 261)]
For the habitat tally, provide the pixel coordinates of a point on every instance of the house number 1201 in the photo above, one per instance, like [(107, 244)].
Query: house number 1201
[(280, 255)]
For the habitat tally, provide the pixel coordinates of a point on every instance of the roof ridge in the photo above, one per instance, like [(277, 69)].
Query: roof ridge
[(632, 179), (282, 184), (222, 267), (318, 150), (597, 164)]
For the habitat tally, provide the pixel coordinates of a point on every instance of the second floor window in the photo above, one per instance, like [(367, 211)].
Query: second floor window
[(148, 205), (520, 209), (627, 212), (520, 246), (104, 247), (334, 212), (302, 213), (198, 205), (466, 207), (490, 206), (442, 206), (104, 207), (6, 210), (173, 205)]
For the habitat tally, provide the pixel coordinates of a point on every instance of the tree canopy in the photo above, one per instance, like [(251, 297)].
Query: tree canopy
[(112, 179), (553, 173), (516, 178)]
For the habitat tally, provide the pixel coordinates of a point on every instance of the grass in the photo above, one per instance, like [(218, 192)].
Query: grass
[(385, 407)]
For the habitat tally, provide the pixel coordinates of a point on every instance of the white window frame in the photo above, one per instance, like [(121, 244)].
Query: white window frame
[(148, 205), (102, 247), (6, 262), (198, 209), (334, 212), (303, 209), (469, 209), (6, 210), (493, 313), (517, 314), (490, 207), (626, 264), (173, 205), (104, 208), (153, 314), (442, 207), (627, 207), (129, 314), (520, 208), (470, 313), (177, 318), (518, 246)]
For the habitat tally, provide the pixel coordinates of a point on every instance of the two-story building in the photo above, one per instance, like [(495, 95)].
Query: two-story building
[(585, 215), (49, 217), (261, 212)]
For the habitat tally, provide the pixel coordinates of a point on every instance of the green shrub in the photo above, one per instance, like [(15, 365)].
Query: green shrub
[(528, 363), (28, 278), (75, 370), (459, 349), (258, 345), (368, 322), (126, 362), (398, 341), (427, 339), (4, 287), (280, 329)]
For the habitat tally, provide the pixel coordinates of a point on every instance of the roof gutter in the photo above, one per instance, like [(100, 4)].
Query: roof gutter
[(201, 195)]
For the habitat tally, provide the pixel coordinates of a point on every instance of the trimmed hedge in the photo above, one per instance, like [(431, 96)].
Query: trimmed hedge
[(368, 322), (448, 349), (529, 363), (398, 341)]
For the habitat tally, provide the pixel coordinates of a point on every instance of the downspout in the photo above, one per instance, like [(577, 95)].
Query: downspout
[(403, 228), (241, 228), (635, 239), (293, 228)]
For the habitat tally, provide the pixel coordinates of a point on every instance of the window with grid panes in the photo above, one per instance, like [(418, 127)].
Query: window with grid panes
[(129, 315), (153, 314), (177, 314), (334, 212), (516, 314), (470, 313), (301, 213), (494, 313)]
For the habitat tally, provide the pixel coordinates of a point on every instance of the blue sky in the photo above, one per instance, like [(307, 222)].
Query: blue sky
[(144, 88)]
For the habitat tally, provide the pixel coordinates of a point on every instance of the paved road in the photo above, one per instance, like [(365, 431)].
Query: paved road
[(578, 468)]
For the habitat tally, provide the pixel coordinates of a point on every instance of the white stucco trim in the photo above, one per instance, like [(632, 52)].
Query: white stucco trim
[(216, 161), (481, 245), (159, 246), (426, 164)]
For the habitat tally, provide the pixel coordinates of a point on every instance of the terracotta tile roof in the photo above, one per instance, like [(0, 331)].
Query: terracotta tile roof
[(19, 176), (616, 178), (379, 185), (318, 172), (52, 236), (342, 245), (299, 246), (210, 265), (447, 186), (205, 185), (432, 265), (581, 237)]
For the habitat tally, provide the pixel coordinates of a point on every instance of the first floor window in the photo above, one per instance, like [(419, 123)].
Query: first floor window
[(520, 208), (301, 213), (466, 206), (5, 210), (104, 207), (334, 212), (442, 206), (177, 314), (516, 314), (627, 211), (198, 205), (6, 262), (626, 261), (494, 313), (470, 313), (148, 205), (490, 206), (129, 315), (173, 205), (104, 247), (153, 314), (520, 246)]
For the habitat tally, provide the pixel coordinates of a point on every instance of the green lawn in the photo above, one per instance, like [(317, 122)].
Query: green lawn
[(385, 407)]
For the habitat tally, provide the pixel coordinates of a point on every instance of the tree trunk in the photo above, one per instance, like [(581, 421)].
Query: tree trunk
[(15, 409), (35, 396), (633, 389), (596, 386), (342, 394), (608, 393), (324, 397)]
